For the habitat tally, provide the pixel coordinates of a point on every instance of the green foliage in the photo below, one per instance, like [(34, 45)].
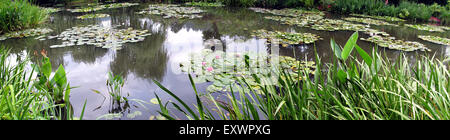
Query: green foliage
[(349, 89), (25, 97), (406, 9), (57, 86), (20, 14), (115, 85)]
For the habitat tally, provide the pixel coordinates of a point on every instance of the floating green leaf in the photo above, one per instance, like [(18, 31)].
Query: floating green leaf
[(436, 39)]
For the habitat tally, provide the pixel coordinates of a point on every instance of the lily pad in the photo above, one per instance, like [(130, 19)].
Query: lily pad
[(392, 43), (225, 69), (205, 4), (288, 12), (105, 37), (102, 7), (431, 28), (369, 21), (26, 33), (385, 18), (335, 25), (92, 16), (173, 11), (286, 37), (435, 39)]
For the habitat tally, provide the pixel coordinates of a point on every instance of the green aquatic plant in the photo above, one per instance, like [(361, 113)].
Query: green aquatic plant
[(369, 21), (286, 38), (385, 18), (102, 7), (289, 12), (26, 33), (435, 39), (392, 43), (57, 85), (304, 21), (92, 16), (105, 37), (51, 9), (173, 11), (431, 28), (223, 70), (115, 84), (30, 94), (336, 25), (374, 88), (205, 4)]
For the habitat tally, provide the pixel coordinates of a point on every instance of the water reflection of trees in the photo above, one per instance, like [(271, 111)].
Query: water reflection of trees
[(147, 59)]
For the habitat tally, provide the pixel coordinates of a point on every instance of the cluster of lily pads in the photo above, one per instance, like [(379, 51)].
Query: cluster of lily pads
[(92, 16), (369, 21), (105, 37), (431, 28), (298, 17), (205, 4), (392, 43), (385, 18), (173, 11), (26, 33), (335, 25), (102, 7), (286, 38), (51, 10), (305, 21), (435, 39), (288, 12), (225, 69)]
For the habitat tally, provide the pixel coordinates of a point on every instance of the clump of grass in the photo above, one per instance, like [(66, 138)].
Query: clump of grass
[(20, 14), (374, 88)]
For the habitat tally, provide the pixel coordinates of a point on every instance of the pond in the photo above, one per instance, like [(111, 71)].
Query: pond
[(158, 56)]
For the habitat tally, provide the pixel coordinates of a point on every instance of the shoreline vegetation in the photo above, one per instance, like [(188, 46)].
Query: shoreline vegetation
[(347, 88)]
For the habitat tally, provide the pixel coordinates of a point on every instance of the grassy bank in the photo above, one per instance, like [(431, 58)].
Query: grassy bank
[(375, 88), (20, 14)]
